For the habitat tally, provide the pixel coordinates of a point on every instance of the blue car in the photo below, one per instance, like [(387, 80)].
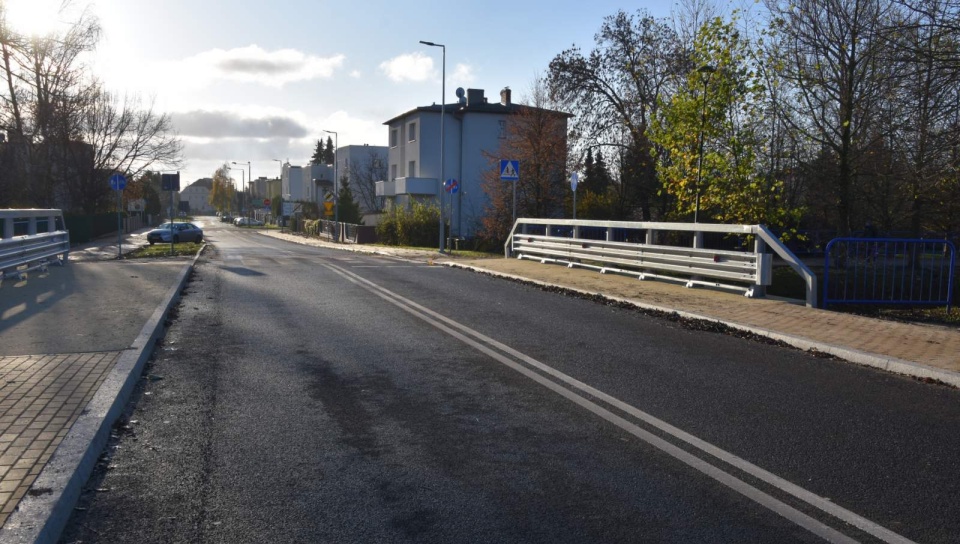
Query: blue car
[(180, 232)]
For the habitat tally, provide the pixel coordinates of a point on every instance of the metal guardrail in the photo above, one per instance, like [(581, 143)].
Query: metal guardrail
[(31, 240), (889, 271), (655, 250)]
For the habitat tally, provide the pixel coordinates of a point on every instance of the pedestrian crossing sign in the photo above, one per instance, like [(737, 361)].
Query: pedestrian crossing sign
[(509, 170)]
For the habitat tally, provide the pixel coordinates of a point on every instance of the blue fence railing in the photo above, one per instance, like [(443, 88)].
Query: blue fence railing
[(889, 271)]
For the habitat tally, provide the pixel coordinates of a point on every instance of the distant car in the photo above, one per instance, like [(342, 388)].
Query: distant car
[(181, 232), (226, 218), (247, 222)]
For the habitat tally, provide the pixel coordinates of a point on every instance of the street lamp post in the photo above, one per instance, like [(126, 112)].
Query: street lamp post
[(336, 183), (249, 180), (243, 183), (443, 112), (279, 196), (705, 69)]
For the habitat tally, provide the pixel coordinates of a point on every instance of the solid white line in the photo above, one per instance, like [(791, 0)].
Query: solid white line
[(742, 487)]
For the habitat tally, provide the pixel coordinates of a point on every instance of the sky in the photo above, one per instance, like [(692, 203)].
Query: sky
[(259, 81)]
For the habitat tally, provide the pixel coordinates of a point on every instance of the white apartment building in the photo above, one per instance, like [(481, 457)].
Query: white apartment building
[(198, 195), (306, 183), (474, 130)]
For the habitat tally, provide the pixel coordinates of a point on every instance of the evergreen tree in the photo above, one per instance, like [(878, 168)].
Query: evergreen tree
[(589, 171), (319, 153), (328, 154), (600, 181), (349, 208)]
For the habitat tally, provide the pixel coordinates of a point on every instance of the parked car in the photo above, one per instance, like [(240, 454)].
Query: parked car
[(226, 218), (247, 222), (181, 232)]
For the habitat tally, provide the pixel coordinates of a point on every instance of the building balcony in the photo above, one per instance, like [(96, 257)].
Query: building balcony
[(386, 188), (416, 186)]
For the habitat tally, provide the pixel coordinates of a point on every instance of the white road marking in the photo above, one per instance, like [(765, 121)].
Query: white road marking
[(485, 344)]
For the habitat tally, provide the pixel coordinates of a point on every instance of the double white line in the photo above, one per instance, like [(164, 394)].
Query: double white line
[(578, 393)]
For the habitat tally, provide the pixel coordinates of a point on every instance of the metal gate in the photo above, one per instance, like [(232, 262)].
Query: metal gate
[(889, 271)]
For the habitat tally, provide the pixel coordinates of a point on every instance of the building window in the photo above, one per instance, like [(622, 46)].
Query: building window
[(503, 129), (412, 169), (393, 171), (393, 138), (412, 132)]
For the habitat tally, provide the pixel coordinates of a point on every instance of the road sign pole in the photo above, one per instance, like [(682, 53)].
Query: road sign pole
[(119, 226), (514, 203)]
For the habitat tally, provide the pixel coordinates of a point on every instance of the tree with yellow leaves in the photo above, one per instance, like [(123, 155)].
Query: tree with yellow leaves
[(711, 135)]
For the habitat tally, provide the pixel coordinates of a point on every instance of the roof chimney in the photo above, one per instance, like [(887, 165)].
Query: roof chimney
[(505, 96), (475, 97)]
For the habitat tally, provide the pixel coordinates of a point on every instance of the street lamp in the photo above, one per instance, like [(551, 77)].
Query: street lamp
[(279, 196), (336, 182), (243, 183), (244, 186), (705, 69), (443, 95)]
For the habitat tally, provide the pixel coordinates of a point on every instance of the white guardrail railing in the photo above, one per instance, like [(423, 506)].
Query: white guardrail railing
[(650, 250), (31, 240)]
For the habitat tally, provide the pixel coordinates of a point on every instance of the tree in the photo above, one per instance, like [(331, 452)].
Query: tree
[(222, 193), (536, 136), (67, 134), (711, 134), (615, 94), (329, 153), (831, 56), (365, 173), (319, 153), (924, 106), (349, 210)]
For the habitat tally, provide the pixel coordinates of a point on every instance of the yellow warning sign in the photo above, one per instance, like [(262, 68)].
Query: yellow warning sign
[(328, 208)]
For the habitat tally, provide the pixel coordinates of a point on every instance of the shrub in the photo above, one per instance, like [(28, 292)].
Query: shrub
[(416, 226)]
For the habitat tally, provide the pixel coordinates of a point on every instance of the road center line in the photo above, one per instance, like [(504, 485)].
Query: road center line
[(484, 344)]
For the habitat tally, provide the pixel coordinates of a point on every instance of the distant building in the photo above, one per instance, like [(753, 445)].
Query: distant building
[(473, 132), (197, 195), (362, 166)]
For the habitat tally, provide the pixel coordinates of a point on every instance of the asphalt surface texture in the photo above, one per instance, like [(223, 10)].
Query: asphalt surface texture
[(94, 306)]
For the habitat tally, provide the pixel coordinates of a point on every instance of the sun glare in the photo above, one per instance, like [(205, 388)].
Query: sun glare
[(32, 17)]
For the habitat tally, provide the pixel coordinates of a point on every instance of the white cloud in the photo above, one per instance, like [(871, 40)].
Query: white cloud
[(462, 75), (223, 124), (355, 74), (413, 67), (251, 64)]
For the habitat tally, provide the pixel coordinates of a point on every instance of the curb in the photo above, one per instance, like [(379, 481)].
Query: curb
[(881, 362), (41, 518)]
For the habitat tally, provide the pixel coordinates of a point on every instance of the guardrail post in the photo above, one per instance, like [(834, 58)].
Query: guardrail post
[(651, 237), (7, 231), (759, 248), (609, 234), (698, 240)]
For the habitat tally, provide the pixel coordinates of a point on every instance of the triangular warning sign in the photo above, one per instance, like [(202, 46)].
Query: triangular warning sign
[(508, 171)]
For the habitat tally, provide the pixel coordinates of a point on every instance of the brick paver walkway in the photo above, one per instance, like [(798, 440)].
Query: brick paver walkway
[(41, 397)]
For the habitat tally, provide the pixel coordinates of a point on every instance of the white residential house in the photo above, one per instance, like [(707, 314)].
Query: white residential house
[(474, 130), (363, 164), (198, 195)]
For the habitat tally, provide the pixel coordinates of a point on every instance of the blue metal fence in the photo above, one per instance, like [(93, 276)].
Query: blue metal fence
[(889, 271)]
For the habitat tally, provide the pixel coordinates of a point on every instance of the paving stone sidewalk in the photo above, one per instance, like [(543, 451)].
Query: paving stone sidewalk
[(41, 397)]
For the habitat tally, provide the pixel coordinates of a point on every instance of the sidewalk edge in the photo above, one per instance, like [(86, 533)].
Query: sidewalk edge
[(41, 518), (881, 362)]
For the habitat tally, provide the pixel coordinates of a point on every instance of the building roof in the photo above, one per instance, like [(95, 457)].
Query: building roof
[(206, 183), (483, 106)]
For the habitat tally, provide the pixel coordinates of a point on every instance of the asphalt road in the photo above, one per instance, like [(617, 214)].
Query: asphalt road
[(309, 395)]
